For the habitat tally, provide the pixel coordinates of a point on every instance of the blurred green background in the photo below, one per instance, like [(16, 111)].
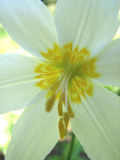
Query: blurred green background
[(62, 149)]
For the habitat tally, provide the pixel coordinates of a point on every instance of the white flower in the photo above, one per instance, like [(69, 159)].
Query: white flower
[(60, 82)]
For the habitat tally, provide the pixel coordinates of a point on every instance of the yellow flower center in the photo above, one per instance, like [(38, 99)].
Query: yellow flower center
[(66, 74)]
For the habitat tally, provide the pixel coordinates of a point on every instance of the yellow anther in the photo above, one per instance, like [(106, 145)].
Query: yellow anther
[(82, 93), (50, 103), (62, 128), (76, 98), (42, 84), (75, 84), (66, 119), (38, 76), (60, 106), (76, 50), (68, 46), (55, 86), (38, 69), (81, 58), (50, 81)]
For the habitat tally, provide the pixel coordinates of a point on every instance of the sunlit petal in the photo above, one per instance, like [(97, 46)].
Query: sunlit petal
[(87, 23), (96, 125), (29, 23), (35, 133), (108, 64), (17, 83)]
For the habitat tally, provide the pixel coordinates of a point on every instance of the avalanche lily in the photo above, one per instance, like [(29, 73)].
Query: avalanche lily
[(60, 81)]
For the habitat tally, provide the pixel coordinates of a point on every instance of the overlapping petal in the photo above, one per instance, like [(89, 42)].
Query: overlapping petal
[(29, 23), (108, 64), (87, 23), (35, 133), (96, 124), (17, 82)]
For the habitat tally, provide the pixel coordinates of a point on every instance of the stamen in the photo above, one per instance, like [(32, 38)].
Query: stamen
[(60, 105), (62, 129), (50, 103), (66, 119)]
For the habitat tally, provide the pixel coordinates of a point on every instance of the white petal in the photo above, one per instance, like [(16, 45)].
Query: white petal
[(17, 82), (35, 133), (108, 64), (96, 125), (29, 23), (87, 23)]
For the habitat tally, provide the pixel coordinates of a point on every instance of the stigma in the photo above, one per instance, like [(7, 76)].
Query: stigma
[(66, 74)]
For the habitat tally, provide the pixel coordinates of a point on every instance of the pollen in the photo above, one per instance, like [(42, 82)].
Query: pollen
[(50, 103), (66, 74)]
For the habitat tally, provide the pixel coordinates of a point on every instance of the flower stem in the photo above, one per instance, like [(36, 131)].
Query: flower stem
[(71, 147)]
